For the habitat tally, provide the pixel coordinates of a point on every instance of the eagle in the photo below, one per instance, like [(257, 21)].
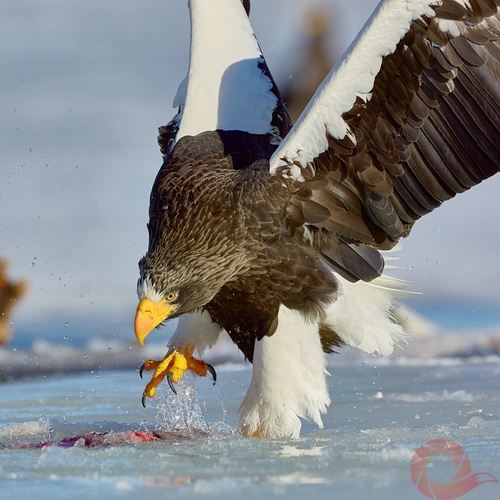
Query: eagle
[(273, 232)]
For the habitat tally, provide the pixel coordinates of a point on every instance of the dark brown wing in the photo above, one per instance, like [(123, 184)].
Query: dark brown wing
[(166, 136), (427, 129)]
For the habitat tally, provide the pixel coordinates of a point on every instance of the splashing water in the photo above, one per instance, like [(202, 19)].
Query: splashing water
[(183, 414)]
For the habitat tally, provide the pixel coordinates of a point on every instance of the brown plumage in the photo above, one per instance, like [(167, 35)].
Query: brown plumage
[(241, 233), (232, 237), (221, 234), (429, 131)]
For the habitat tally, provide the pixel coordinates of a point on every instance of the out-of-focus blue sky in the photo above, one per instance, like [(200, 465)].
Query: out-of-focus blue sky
[(84, 86)]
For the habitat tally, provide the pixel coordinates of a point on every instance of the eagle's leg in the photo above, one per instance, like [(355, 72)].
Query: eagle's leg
[(288, 380), (173, 367)]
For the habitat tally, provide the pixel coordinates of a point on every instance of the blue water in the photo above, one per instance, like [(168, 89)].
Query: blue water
[(458, 316)]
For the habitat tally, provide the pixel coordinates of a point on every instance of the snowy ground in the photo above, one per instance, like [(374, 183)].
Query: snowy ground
[(382, 411)]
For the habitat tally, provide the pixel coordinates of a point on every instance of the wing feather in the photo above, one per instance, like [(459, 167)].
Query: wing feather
[(404, 122)]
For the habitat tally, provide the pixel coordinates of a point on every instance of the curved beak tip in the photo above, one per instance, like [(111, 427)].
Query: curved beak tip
[(148, 316), (142, 327)]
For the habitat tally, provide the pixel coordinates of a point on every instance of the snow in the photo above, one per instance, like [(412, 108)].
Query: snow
[(381, 413)]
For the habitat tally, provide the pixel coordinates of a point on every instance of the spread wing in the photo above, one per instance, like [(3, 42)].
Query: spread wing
[(406, 120)]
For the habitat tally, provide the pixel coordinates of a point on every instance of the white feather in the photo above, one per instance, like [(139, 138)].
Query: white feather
[(146, 290), (288, 380), (413, 323), (233, 94), (353, 76), (195, 330), (362, 317)]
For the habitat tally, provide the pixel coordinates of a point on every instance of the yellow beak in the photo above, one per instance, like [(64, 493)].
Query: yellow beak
[(149, 315)]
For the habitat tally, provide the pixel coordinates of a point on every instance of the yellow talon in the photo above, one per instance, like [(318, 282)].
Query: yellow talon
[(173, 367)]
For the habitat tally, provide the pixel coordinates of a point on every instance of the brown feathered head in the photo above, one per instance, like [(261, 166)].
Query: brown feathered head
[(195, 248)]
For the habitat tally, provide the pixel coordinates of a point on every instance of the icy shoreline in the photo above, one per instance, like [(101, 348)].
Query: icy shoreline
[(44, 358)]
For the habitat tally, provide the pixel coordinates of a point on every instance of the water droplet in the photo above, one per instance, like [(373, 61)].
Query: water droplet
[(85, 356), (66, 324), (379, 395)]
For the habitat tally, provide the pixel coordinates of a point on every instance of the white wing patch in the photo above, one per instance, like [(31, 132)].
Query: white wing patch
[(236, 95), (352, 77)]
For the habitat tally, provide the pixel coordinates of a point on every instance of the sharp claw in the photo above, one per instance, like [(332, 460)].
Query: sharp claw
[(143, 399), (142, 368), (211, 369), (170, 383)]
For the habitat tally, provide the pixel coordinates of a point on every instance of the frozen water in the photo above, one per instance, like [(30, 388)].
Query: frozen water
[(382, 411), (442, 386)]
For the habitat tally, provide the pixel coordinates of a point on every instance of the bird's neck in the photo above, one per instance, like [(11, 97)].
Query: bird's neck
[(226, 89)]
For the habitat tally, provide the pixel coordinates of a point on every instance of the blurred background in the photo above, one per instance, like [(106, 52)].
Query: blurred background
[(84, 86)]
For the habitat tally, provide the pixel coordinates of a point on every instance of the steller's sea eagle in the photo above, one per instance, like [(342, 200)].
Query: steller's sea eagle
[(272, 232)]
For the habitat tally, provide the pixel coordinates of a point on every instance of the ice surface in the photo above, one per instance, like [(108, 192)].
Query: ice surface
[(381, 413), (441, 386)]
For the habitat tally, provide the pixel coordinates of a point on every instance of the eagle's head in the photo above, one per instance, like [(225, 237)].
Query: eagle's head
[(166, 290), (201, 237), (184, 269)]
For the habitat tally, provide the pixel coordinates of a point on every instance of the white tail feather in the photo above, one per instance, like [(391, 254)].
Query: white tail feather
[(361, 315)]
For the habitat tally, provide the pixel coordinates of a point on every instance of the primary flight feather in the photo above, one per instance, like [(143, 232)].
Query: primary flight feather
[(272, 232)]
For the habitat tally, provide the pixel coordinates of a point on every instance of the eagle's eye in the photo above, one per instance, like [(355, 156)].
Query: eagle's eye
[(172, 296)]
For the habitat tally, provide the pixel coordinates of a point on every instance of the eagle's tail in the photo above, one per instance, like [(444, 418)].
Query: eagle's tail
[(289, 368), (363, 314)]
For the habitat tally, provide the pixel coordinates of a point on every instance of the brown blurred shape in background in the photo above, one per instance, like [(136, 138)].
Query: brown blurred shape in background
[(10, 293), (315, 21)]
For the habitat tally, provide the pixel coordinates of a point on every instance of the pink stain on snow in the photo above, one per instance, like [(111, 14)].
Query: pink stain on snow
[(98, 439), (459, 484)]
